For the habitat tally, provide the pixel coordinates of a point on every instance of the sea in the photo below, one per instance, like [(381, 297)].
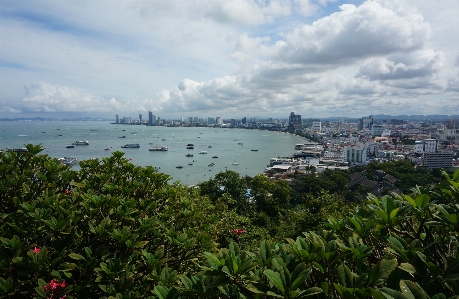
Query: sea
[(242, 150)]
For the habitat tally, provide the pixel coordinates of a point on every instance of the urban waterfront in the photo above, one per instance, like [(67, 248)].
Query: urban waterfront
[(229, 145)]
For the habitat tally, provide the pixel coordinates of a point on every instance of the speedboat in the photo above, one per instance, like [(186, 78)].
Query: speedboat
[(131, 145), (81, 142)]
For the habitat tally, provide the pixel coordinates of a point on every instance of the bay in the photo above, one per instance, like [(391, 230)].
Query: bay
[(229, 145)]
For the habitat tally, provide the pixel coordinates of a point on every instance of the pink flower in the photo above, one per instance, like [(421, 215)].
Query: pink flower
[(238, 231), (67, 191), (36, 249)]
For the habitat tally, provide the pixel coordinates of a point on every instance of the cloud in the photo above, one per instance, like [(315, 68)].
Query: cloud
[(45, 97), (422, 64), (352, 34)]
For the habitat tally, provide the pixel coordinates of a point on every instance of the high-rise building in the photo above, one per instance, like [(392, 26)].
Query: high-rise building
[(219, 120), (140, 118), (210, 121), (294, 121), (117, 119), (244, 120), (365, 123)]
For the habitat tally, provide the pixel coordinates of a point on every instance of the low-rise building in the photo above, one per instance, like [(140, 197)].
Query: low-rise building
[(437, 159)]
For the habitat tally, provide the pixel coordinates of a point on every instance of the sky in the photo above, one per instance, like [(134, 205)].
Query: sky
[(228, 58)]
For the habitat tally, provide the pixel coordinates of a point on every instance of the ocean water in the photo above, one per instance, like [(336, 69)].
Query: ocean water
[(219, 142)]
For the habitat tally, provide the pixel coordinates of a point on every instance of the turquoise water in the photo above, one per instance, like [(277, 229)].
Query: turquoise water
[(102, 135)]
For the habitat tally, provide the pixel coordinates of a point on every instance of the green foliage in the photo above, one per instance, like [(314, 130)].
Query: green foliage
[(111, 229), (115, 230)]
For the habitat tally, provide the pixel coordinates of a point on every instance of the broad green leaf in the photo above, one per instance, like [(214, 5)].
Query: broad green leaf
[(412, 290), (212, 259), (275, 279), (76, 256)]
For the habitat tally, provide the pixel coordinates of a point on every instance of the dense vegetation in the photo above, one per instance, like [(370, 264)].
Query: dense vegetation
[(115, 230)]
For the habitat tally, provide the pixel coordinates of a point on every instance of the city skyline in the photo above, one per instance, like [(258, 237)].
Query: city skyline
[(231, 59)]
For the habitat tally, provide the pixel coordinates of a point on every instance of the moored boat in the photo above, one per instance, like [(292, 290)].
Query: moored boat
[(158, 148), (70, 146), (131, 145), (203, 152)]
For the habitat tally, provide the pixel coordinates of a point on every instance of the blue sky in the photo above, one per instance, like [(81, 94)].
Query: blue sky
[(209, 58)]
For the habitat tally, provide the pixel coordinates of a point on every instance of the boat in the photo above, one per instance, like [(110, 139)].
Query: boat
[(189, 155), (94, 130), (210, 146), (107, 148), (214, 157), (122, 137), (134, 132), (18, 150), (70, 146), (190, 163), (131, 145), (240, 143), (158, 148), (254, 150), (203, 152), (190, 144), (189, 147), (235, 163), (81, 142), (211, 164), (179, 166), (68, 161)]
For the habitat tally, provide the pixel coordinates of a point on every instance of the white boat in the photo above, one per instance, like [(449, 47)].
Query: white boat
[(131, 145), (159, 148), (68, 161), (81, 142), (203, 152)]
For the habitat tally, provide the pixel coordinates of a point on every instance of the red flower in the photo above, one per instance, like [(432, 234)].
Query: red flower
[(36, 249), (238, 231), (67, 191)]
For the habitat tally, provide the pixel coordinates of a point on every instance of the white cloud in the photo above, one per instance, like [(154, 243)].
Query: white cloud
[(243, 57)]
